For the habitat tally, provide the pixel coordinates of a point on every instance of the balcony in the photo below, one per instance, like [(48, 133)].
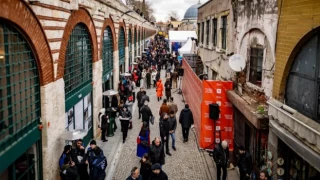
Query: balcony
[(305, 129)]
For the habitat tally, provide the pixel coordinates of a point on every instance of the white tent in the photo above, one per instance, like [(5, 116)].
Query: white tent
[(186, 48), (181, 36)]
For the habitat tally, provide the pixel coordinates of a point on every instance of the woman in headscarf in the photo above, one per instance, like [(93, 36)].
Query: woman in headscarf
[(159, 89), (143, 140)]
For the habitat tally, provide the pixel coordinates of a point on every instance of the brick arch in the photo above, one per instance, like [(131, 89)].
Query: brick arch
[(108, 22), (123, 25), (25, 19), (76, 17), (291, 58)]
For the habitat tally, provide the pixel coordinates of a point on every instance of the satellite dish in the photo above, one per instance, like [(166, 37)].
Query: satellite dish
[(237, 62)]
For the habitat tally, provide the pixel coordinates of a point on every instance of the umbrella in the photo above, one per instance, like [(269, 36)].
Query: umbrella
[(125, 74), (110, 92), (144, 52), (74, 135), (138, 57), (134, 63)]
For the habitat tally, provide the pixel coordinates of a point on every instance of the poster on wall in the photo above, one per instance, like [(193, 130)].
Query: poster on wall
[(78, 110), (71, 127), (216, 92), (86, 126), (70, 117)]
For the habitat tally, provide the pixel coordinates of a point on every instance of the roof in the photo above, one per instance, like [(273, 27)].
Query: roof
[(181, 36), (192, 12)]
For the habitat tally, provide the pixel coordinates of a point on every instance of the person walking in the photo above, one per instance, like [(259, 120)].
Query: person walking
[(153, 77), (125, 118), (146, 113), (245, 164), (173, 106), (129, 104), (145, 169), (158, 173), (139, 95), (159, 89), (164, 108), (186, 120), (174, 78), (156, 153), (104, 126), (143, 140), (97, 162), (164, 131), (148, 79), (143, 78), (167, 86), (68, 169), (135, 174), (172, 128), (221, 158)]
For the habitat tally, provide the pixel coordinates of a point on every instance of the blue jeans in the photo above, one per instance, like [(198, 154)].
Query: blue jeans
[(173, 136)]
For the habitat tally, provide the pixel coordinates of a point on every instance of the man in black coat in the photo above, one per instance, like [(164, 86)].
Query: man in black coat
[(156, 153), (139, 95), (146, 113), (221, 157), (164, 131), (157, 173), (104, 126), (244, 163), (186, 120), (148, 76)]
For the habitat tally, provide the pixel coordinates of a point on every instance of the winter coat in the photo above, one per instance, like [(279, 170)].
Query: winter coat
[(139, 95), (68, 173), (220, 155), (245, 163), (143, 99), (94, 172), (130, 178), (141, 150), (172, 123), (173, 107), (156, 154), (104, 122), (75, 153), (145, 169), (164, 108), (159, 89), (186, 118), (161, 176), (167, 86), (148, 76), (164, 126), (145, 113)]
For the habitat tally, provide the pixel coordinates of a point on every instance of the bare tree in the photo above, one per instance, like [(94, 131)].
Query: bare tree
[(142, 6), (173, 16)]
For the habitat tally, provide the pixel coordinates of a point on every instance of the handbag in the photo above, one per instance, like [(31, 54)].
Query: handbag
[(144, 143), (152, 120)]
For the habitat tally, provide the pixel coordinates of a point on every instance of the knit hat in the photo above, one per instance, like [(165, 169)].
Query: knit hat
[(93, 142), (156, 166)]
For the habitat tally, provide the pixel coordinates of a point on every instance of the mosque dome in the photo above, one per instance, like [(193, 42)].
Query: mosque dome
[(192, 12)]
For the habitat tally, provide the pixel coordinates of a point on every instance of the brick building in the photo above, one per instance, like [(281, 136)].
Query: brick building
[(294, 134), (56, 59)]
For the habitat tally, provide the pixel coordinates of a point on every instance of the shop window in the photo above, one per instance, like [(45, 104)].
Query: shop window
[(208, 31), (107, 55), (303, 85), (202, 33), (214, 32), (121, 45), (78, 61), (19, 88), (139, 41), (256, 60), (224, 32)]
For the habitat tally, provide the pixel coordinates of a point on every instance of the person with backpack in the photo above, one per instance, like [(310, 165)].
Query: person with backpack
[(97, 162), (146, 113), (66, 153)]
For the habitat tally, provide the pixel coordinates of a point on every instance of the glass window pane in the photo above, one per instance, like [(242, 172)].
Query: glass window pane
[(107, 55)]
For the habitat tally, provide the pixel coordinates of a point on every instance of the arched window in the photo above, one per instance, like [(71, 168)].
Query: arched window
[(19, 99), (78, 61), (121, 45), (107, 55), (303, 85)]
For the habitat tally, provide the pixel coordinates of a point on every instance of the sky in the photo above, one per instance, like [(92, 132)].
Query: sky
[(163, 7)]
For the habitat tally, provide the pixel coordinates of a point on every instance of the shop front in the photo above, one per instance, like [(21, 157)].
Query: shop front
[(20, 108), (78, 82), (122, 50), (107, 62)]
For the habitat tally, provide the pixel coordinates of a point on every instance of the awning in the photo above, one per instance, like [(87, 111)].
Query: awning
[(186, 48)]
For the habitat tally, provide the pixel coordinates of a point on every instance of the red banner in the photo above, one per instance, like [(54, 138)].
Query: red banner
[(216, 92)]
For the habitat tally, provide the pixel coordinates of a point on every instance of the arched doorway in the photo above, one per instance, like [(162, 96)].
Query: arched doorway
[(20, 108), (121, 48), (107, 62), (78, 78)]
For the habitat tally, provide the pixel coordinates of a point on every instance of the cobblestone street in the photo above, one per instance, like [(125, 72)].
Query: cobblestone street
[(185, 163)]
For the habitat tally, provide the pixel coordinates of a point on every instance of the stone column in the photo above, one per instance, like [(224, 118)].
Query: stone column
[(96, 93), (126, 64), (116, 69)]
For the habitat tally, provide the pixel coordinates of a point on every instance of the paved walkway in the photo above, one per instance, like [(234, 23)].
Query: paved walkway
[(188, 162)]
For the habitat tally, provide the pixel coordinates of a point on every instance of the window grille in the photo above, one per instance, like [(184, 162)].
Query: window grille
[(208, 31), (121, 45), (19, 87), (78, 61), (107, 55), (214, 32), (224, 32), (130, 47)]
